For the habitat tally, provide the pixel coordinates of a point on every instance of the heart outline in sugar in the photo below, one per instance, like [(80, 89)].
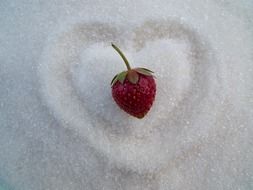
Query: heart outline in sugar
[(143, 153)]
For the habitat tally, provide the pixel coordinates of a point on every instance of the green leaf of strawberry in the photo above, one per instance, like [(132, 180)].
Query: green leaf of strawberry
[(121, 77), (144, 71), (133, 76)]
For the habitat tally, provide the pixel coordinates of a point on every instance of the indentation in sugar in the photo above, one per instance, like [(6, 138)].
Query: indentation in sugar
[(81, 95)]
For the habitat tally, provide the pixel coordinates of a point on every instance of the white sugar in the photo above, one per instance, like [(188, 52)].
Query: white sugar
[(61, 128)]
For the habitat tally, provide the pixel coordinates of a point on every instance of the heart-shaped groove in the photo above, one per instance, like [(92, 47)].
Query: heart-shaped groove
[(112, 132)]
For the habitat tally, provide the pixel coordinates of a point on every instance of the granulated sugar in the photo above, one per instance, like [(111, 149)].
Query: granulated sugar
[(61, 128)]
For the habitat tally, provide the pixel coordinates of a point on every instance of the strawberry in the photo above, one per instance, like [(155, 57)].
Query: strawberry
[(133, 90)]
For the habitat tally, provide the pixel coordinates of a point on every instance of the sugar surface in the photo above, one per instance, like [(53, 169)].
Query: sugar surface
[(61, 128)]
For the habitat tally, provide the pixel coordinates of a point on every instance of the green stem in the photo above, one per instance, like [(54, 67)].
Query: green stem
[(123, 56)]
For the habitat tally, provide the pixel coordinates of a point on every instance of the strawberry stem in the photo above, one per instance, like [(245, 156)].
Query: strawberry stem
[(123, 56)]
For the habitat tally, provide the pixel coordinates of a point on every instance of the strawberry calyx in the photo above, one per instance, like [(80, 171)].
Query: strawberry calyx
[(131, 74)]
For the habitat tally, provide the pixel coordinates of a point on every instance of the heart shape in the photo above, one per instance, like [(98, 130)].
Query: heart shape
[(78, 65)]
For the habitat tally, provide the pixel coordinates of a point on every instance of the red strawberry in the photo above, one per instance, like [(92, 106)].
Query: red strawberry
[(133, 90)]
